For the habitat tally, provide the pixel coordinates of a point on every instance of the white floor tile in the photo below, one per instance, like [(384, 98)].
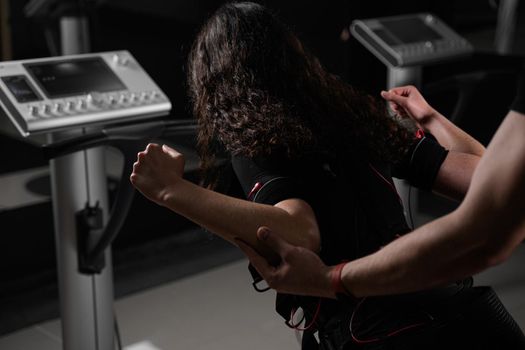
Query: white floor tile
[(30, 339), (218, 309)]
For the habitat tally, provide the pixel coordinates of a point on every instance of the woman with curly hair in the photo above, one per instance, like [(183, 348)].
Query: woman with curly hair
[(315, 158)]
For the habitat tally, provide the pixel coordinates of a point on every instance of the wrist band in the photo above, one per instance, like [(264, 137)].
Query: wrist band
[(341, 293), (337, 282)]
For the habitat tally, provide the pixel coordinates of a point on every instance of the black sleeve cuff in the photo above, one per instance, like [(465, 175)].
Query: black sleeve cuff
[(278, 189), (267, 181), (422, 163)]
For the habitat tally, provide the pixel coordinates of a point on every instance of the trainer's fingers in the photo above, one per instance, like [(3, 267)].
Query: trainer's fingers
[(273, 241), (259, 262)]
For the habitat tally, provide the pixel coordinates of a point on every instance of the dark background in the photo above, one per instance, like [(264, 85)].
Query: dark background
[(159, 34)]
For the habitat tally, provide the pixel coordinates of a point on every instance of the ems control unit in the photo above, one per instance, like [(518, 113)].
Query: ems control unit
[(407, 40), (50, 94)]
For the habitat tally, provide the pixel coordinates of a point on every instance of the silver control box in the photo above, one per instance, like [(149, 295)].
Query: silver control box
[(408, 40), (66, 92)]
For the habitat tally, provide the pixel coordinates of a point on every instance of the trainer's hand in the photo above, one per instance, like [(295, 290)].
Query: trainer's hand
[(157, 171), (300, 270), (407, 101)]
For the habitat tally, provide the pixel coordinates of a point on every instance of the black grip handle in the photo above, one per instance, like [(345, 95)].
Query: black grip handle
[(129, 140)]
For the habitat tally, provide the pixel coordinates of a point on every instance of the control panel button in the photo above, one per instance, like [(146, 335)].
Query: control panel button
[(120, 60), (58, 108), (69, 107), (95, 99), (33, 111), (45, 109), (81, 104)]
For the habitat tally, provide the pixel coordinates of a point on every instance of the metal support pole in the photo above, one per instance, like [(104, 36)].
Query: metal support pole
[(74, 35), (506, 26), (86, 301), (398, 76)]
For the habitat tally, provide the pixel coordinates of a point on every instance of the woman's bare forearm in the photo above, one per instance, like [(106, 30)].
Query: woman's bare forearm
[(451, 136), (233, 218), (455, 174)]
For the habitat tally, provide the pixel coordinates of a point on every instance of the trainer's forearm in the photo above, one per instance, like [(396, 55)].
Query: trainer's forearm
[(433, 255), (482, 232)]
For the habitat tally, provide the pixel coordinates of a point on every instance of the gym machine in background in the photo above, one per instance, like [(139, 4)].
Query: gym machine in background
[(405, 44), (72, 106)]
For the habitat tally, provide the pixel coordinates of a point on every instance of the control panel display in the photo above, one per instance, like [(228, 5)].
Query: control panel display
[(66, 92), (409, 40), (74, 77), (406, 31), (21, 89)]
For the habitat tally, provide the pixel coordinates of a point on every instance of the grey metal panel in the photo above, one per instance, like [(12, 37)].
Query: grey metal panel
[(141, 98)]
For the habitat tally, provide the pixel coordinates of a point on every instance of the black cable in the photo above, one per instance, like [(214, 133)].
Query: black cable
[(410, 207), (95, 316), (117, 331)]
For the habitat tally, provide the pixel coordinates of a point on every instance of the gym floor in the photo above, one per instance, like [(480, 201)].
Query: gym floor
[(215, 309), (218, 309)]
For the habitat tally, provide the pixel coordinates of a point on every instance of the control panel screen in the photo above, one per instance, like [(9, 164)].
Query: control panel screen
[(74, 77), (21, 88), (406, 31)]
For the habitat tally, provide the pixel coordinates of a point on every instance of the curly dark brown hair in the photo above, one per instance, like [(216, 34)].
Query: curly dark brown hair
[(256, 90)]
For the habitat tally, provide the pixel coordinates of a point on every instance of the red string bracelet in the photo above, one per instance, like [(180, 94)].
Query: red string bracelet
[(337, 283)]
